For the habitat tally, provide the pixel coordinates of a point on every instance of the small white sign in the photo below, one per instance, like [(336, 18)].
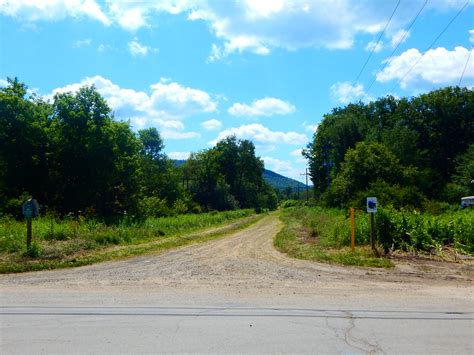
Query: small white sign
[(372, 204)]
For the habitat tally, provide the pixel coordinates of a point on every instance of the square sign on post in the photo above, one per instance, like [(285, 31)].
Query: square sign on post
[(372, 204)]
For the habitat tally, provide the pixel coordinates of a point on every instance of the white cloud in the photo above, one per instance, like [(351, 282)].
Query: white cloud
[(137, 49), (471, 36), (180, 101), (296, 152), (179, 155), (374, 46), (299, 157), (104, 47), (164, 106), (345, 92), (256, 26), (82, 43), (262, 135), (53, 10), (399, 37), (310, 127), (211, 125), (216, 53), (438, 66), (267, 106)]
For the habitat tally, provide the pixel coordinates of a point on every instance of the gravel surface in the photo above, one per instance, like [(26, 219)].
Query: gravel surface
[(246, 263)]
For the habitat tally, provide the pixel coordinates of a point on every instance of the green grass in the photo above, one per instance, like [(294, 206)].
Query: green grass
[(76, 242), (323, 235)]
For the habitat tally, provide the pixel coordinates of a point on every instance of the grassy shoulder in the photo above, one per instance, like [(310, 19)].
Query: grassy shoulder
[(320, 235), (76, 244)]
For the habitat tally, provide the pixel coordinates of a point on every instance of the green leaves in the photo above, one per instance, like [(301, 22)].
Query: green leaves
[(424, 139)]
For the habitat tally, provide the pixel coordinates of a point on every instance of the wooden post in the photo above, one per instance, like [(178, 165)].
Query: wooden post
[(28, 234), (372, 230), (352, 229)]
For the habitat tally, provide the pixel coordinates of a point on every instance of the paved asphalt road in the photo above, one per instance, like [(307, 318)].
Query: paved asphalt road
[(145, 329), (235, 295)]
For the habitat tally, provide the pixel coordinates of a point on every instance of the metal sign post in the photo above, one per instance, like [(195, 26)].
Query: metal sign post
[(372, 209), (30, 210)]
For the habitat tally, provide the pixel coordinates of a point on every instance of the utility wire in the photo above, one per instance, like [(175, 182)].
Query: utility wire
[(465, 66), (378, 41), (431, 45), (398, 44)]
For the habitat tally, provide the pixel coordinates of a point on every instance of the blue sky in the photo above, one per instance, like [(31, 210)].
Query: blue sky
[(263, 70)]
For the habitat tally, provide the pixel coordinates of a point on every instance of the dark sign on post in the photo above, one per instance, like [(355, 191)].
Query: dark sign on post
[(30, 210), (372, 209)]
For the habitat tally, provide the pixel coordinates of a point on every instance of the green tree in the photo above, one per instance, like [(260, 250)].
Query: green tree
[(96, 163), (24, 143), (363, 165)]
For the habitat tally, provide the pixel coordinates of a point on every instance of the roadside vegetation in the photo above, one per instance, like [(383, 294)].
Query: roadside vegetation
[(323, 234), (75, 241)]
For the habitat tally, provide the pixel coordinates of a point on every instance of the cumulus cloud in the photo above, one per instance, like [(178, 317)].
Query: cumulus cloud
[(399, 37), (374, 46), (255, 26), (82, 43), (299, 157), (137, 49), (163, 106), (53, 10), (262, 135), (310, 127), (179, 155), (211, 125), (101, 48), (471, 36), (438, 66), (345, 92), (267, 106)]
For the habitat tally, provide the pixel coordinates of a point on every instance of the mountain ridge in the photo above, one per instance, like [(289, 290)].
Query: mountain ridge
[(274, 179)]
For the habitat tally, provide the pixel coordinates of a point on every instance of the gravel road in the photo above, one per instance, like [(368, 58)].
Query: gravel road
[(247, 263)]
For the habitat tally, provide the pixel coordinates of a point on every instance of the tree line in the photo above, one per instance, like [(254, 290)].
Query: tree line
[(74, 157), (406, 151)]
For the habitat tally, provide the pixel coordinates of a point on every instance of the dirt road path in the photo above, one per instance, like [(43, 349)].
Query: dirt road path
[(247, 263)]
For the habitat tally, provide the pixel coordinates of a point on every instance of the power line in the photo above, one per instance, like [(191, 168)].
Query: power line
[(378, 41), (399, 42), (465, 66), (431, 45)]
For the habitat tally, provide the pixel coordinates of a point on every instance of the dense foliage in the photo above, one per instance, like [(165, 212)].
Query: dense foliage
[(404, 230), (74, 157), (405, 151)]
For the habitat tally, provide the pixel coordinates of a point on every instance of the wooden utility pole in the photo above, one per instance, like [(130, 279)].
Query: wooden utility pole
[(352, 229), (372, 230), (28, 233), (307, 192)]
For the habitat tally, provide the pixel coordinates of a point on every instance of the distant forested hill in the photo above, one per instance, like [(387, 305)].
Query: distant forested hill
[(275, 180), (281, 182)]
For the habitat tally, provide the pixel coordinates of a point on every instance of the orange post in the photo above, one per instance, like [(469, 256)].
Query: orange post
[(352, 229)]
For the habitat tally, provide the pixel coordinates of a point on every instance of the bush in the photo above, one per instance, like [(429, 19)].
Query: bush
[(155, 207)]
